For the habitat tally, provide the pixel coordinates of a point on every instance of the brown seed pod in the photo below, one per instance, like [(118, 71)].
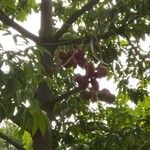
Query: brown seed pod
[(94, 94), (67, 64), (85, 95), (71, 63), (81, 62), (106, 96), (95, 85), (62, 55), (102, 71), (89, 67), (65, 55), (74, 62), (111, 98), (68, 59), (82, 81), (78, 78), (79, 55), (70, 53), (103, 94)]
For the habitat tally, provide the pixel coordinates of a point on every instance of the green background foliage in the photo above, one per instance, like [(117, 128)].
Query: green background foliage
[(116, 28)]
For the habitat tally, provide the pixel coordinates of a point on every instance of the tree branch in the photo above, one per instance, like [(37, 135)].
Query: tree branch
[(105, 35), (11, 141), (143, 57), (74, 17), (86, 39), (66, 95), (8, 21)]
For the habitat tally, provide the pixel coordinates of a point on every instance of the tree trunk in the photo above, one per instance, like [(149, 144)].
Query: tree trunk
[(42, 142), (45, 96)]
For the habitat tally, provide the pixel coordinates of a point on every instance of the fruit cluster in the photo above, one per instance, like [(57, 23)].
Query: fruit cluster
[(103, 95), (72, 59), (88, 85), (106, 96), (92, 73)]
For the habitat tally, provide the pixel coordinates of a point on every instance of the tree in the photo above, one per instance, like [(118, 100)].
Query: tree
[(93, 32)]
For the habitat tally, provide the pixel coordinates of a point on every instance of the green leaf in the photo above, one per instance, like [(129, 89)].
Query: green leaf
[(35, 123), (42, 122), (7, 3)]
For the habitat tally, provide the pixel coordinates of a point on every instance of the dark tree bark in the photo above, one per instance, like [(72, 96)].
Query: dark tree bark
[(8, 21), (41, 142), (45, 96)]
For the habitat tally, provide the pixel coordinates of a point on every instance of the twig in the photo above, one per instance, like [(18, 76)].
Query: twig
[(85, 39), (133, 47), (74, 17), (11, 141), (92, 50), (8, 21)]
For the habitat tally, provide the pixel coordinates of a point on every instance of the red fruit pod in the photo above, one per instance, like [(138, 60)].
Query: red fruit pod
[(106, 96), (102, 71), (70, 63), (82, 81), (83, 84), (79, 55), (78, 77), (74, 62), (68, 59), (62, 55), (81, 62), (103, 94), (97, 74), (94, 94), (70, 54), (89, 67), (111, 98), (95, 85)]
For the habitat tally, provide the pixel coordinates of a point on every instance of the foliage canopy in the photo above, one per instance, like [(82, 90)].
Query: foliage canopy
[(105, 30)]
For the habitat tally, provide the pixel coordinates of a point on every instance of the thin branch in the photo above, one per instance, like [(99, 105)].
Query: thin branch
[(134, 48), (66, 95), (11, 141), (8, 21), (74, 17), (86, 38)]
